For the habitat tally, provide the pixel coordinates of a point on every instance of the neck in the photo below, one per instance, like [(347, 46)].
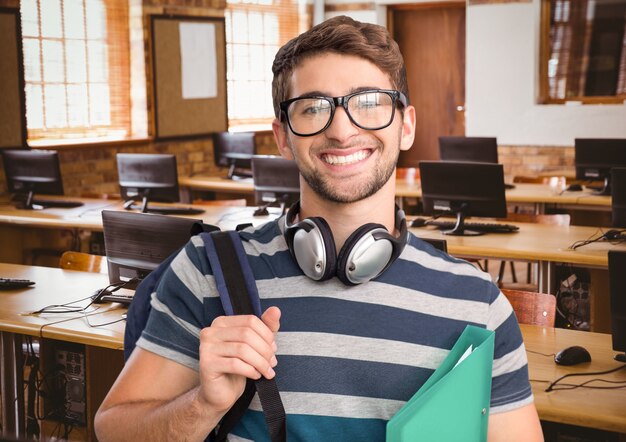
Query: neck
[(345, 218)]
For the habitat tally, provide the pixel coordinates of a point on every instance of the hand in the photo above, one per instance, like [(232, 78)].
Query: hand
[(232, 349)]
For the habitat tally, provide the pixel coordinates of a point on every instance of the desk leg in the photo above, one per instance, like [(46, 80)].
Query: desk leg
[(12, 385), (545, 276)]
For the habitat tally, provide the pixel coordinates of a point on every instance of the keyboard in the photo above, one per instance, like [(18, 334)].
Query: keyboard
[(476, 226), (13, 283), (168, 210), (62, 204), (122, 298)]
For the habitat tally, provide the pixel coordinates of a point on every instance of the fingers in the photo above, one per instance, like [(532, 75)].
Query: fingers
[(241, 345), (271, 318)]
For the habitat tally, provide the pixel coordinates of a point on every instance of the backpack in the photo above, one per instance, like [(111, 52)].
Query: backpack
[(237, 289)]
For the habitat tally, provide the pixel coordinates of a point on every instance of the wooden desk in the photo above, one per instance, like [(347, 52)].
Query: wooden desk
[(601, 409), (103, 360), (28, 229), (213, 184), (548, 245), (524, 193), (538, 194)]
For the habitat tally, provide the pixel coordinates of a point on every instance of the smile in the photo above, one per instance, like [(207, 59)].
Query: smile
[(346, 159)]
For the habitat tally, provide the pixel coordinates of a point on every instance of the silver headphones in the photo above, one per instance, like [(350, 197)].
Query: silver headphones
[(366, 254)]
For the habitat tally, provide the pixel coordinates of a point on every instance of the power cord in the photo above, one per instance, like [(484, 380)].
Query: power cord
[(69, 308), (554, 384), (614, 236)]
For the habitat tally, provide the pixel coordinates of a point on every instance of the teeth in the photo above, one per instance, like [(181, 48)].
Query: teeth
[(347, 159)]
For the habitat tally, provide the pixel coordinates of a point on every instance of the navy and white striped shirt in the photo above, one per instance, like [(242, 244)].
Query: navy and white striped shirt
[(348, 357)]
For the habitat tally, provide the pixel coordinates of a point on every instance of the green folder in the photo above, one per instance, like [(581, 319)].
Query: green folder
[(453, 404)]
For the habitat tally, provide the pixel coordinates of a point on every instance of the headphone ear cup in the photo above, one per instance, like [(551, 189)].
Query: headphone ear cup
[(313, 248), (364, 257)]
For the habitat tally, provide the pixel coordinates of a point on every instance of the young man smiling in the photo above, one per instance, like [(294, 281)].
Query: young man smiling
[(357, 311)]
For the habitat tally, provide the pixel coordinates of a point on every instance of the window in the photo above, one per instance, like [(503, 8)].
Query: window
[(76, 68), (584, 47), (255, 29)]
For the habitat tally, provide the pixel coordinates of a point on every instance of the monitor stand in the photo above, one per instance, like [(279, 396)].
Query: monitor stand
[(30, 203), (163, 210), (459, 228), (604, 190)]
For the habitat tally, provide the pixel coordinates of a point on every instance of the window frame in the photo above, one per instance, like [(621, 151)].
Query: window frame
[(118, 81), (544, 58)]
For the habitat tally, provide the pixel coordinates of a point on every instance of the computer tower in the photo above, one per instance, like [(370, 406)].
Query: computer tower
[(71, 366)]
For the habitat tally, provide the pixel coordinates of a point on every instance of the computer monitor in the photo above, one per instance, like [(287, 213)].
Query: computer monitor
[(150, 177), (30, 172), (234, 150), (136, 243), (463, 189), (617, 289), (618, 198), (276, 180), (595, 157), (474, 149)]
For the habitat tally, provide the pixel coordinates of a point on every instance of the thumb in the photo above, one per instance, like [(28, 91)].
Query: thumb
[(271, 318)]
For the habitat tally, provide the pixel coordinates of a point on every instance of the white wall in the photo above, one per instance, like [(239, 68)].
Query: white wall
[(502, 65)]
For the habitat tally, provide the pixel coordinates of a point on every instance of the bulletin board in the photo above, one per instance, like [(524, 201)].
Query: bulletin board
[(189, 75), (12, 99)]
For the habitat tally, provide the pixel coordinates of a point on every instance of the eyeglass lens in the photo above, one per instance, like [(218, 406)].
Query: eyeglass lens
[(368, 110)]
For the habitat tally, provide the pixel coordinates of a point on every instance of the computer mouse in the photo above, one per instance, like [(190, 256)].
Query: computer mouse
[(572, 356), (418, 222), (574, 187)]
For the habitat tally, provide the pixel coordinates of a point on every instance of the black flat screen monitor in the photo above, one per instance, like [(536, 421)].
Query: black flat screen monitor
[(150, 177), (617, 289), (595, 157), (463, 189), (136, 243), (234, 150), (618, 198), (30, 172), (276, 180), (474, 149)]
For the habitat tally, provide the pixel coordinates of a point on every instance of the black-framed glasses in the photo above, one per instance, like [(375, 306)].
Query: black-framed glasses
[(370, 110)]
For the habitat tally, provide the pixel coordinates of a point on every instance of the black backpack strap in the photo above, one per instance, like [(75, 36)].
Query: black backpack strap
[(238, 293)]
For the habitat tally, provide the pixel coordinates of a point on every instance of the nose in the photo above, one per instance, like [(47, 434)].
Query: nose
[(341, 128)]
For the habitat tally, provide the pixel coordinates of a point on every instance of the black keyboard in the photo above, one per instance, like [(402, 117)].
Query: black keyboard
[(476, 226), (13, 283), (168, 210), (62, 204), (122, 298)]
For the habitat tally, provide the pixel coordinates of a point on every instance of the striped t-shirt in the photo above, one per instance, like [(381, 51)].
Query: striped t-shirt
[(348, 357)]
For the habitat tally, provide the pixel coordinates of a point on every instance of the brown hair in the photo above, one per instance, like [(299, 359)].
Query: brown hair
[(341, 35)]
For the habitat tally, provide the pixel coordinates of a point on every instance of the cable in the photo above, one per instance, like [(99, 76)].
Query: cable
[(67, 307), (593, 373), (613, 236), (541, 354)]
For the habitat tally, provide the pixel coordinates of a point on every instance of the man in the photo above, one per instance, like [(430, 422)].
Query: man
[(350, 352)]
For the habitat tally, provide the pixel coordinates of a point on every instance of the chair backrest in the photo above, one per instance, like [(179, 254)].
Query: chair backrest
[(84, 262), (532, 307)]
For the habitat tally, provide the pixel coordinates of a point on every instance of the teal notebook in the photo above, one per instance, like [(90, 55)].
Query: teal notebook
[(453, 404)]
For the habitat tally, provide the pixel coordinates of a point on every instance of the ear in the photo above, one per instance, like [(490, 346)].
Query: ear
[(280, 135), (408, 128)]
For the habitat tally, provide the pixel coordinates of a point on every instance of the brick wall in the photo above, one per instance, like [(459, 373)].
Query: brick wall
[(94, 170)]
